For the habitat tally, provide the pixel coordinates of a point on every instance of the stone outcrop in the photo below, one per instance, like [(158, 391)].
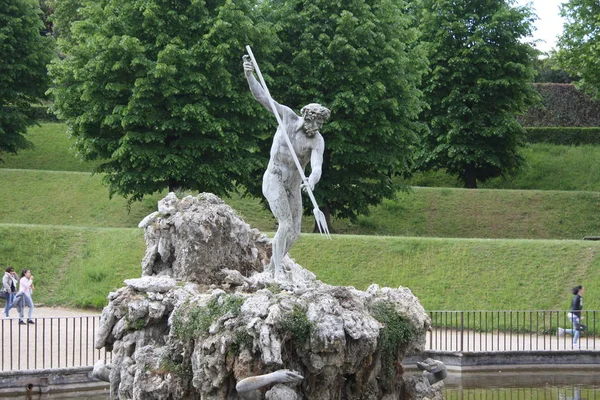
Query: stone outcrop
[(204, 315)]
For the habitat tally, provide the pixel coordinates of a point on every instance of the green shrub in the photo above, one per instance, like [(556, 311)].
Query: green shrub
[(396, 334), (196, 321), (569, 136), (170, 366), (296, 324), (241, 339)]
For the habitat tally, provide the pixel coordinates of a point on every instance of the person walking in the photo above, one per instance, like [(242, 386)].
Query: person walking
[(23, 297), (9, 285), (575, 316)]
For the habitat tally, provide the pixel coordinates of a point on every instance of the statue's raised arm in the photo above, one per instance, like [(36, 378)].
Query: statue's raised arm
[(257, 90)]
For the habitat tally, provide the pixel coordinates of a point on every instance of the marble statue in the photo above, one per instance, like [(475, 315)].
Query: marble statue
[(282, 182)]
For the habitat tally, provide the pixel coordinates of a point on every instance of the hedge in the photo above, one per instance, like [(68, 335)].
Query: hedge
[(563, 105), (568, 136)]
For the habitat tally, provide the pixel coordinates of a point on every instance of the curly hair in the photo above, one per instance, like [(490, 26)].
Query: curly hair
[(314, 110)]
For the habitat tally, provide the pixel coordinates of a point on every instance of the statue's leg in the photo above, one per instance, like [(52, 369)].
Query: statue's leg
[(275, 193), (295, 201)]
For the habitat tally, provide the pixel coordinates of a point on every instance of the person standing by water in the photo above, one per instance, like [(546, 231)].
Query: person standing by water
[(9, 285), (575, 316), (23, 297)]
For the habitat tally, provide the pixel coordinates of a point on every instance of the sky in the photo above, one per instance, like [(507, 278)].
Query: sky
[(549, 24)]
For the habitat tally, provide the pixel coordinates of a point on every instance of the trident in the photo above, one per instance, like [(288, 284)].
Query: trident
[(319, 216)]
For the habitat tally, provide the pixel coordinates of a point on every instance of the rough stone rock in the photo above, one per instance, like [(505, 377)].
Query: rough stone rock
[(146, 284), (193, 336), (194, 238)]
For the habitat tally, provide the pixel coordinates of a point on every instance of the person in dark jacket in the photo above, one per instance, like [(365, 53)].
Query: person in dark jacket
[(575, 316), (9, 286)]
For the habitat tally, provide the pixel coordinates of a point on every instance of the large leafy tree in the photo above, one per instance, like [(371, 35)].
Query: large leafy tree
[(359, 59), (24, 53), (480, 79), (579, 45), (155, 90)]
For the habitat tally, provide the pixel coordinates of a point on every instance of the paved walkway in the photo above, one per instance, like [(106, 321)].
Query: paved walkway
[(60, 338), (465, 341)]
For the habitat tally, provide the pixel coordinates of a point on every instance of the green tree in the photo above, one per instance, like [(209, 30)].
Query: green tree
[(23, 79), (62, 15), (579, 50), (154, 89), (480, 79), (548, 70), (359, 59)]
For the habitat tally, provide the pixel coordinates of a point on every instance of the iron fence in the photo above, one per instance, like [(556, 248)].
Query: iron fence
[(508, 330), (52, 342), (544, 393), (64, 342)]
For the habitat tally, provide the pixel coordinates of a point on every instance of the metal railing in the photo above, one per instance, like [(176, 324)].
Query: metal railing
[(509, 331), (52, 342), (545, 393), (64, 342)]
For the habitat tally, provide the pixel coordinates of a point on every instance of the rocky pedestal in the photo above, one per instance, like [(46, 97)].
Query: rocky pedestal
[(204, 315)]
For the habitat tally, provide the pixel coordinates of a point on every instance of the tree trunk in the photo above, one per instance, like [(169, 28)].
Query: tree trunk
[(174, 185), (327, 212), (470, 177)]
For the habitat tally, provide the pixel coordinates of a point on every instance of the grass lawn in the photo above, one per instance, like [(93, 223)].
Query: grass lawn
[(548, 167), (52, 151), (80, 199), (80, 266), (455, 248)]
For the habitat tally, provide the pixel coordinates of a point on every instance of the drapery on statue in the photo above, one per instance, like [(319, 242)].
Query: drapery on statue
[(282, 181)]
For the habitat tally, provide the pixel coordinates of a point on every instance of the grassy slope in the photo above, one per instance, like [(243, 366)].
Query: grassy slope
[(80, 199), (548, 167), (444, 273), (52, 151), (79, 266)]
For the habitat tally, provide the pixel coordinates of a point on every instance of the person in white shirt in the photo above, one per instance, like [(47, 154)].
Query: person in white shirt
[(25, 290)]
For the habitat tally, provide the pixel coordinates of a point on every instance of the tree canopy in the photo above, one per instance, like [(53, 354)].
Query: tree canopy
[(155, 90), (360, 60), (480, 79), (579, 45), (23, 79)]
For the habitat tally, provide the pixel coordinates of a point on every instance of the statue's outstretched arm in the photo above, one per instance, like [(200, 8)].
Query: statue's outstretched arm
[(252, 383)]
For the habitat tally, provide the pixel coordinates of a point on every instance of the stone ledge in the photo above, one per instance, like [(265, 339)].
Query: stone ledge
[(55, 380), (519, 368)]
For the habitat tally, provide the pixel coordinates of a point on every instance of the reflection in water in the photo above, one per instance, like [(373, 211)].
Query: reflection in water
[(541, 393)]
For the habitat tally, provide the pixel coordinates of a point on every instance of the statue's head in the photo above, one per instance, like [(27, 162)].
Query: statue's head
[(314, 116)]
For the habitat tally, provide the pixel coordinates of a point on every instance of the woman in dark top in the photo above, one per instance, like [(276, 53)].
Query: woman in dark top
[(575, 315)]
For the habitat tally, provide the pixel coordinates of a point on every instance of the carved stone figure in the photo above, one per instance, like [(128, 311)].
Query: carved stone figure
[(428, 385), (247, 388), (282, 181), (433, 370)]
